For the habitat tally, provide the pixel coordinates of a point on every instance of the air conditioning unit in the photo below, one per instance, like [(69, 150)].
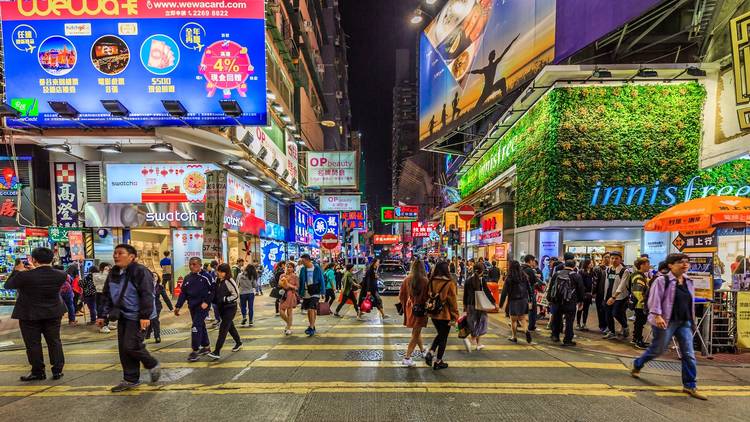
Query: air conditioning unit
[(339, 95), (262, 152), (285, 174), (308, 26), (275, 165)]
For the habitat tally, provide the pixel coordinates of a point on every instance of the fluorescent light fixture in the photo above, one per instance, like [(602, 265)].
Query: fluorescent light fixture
[(231, 108), (7, 111), (58, 148), (266, 186), (174, 108), (286, 198), (430, 2), (328, 123), (253, 177), (115, 108), (235, 165), (293, 128), (277, 192), (270, 95), (286, 119), (162, 147), (113, 149), (417, 18), (63, 109)]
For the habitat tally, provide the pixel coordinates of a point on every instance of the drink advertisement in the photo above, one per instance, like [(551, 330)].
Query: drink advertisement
[(245, 207), (185, 245), (137, 52), (77, 250), (149, 183)]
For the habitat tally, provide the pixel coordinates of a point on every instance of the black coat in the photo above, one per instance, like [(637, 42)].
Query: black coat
[(38, 293)]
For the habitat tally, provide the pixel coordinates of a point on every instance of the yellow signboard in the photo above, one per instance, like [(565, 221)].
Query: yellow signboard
[(743, 320)]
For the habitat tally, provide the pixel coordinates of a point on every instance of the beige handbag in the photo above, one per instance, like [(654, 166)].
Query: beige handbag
[(482, 302)]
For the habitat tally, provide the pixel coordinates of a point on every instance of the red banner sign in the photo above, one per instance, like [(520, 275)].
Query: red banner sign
[(386, 239), (422, 229)]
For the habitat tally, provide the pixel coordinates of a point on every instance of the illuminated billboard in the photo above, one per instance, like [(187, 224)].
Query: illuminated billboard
[(402, 214), (137, 52), (475, 52)]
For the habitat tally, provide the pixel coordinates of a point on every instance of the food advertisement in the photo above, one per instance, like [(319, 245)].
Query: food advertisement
[(186, 244), (476, 51), (138, 52), (245, 207), (149, 183)]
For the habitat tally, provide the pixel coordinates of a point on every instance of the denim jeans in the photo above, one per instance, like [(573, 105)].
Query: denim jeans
[(246, 305), (683, 331), (91, 304), (68, 299)]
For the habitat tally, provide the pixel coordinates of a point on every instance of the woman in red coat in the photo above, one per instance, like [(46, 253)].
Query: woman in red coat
[(413, 296)]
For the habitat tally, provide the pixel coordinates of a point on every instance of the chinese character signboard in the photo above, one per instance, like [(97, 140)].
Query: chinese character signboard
[(66, 195), (422, 229), (492, 228), (303, 226), (147, 183), (216, 193), (138, 52), (743, 320), (332, 169), (324, 224), (402, 214), (355, 220), (339, 202), (386, 239), (696, 241)]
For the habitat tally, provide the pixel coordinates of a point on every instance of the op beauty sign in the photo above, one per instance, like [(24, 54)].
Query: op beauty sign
[(138, 52)]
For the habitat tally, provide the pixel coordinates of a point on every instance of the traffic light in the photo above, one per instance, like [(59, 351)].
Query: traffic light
[(454, 237)]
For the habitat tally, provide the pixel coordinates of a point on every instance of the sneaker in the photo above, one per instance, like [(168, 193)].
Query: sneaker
[(513, 339), (386, 316), (610, 336), (237, 347), (555, 339), (243, 323), (250, 324), (439, 365), (533, 330), (569, 343), (287, 332), (480, 347), (604, 331), (408, 363), (640, 345), (312, 332), (193, 357), (528, 337), (625, 333), (308, 331), (428, 358), (104, 330), (584, 328), (215, 324), (57, 376), (155, 373), (204, 350), (213, 356), (467, 345), (124, 386), (693, 392), (336, 314), (157, 340), (635, 372), (579, 327)]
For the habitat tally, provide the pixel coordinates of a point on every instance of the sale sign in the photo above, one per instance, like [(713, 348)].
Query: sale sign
[(422, 228)]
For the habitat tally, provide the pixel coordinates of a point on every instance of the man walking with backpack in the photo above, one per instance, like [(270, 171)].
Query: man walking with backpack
[(616, 296), (671, 304), (567, 289)]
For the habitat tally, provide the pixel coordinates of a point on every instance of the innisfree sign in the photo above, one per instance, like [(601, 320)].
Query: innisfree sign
[(664, 195)]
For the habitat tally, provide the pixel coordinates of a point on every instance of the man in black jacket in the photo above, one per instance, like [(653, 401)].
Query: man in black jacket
[(529, 263), (600, 298), (129, 300), (38, 311), (568, 287)]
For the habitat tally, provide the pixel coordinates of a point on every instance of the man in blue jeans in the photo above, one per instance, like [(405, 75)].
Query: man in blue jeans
[(671, 304), (198, 291)]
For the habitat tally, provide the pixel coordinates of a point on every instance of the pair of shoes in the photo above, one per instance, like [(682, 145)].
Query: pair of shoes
[(584, 328), (287, 332), (33, 377), (204, 350), (308, 331), (243, 323), (250, 324), (428, 358), (569, 343), (408, 363), (193, 357), (439, 365), (480, 347), (124, 386), (693, 392), (104, 330), (214, 356), (57, 376), (528, 337), (157, 340), (641, 345), (513, 339), (467, 345), (155, 373), (237, 347), (610, 336)]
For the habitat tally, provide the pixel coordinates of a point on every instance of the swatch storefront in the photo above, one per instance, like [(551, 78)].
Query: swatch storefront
[(590, 164)]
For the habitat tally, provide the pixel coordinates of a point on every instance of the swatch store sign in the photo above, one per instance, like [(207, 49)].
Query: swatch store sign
[(144, 215)]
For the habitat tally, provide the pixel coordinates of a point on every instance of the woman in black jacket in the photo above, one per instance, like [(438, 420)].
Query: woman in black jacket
[(225, 298), (587, 273), (518, 290), (159, 294)]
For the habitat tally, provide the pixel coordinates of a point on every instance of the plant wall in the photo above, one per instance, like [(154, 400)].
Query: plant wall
[(625, 138)]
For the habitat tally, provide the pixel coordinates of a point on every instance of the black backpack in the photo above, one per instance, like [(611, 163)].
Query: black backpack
[(434, 305), (565, 291)]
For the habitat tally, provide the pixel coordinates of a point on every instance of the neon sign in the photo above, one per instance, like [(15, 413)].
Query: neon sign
[(661, 195), (402, 214)]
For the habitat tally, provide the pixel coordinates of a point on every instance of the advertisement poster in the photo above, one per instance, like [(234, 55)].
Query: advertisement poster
[(292, 162), (138, 52), (66, 195), (273, 231), (743, 320), (549, 244), (402, 214), (186, 244), (245, 207), (324, 224), (332, 169), (339, 202), (271, 253), (216, 192), (492, 228), (701, 272), (355, 220), (77, 250), (386, 239), (476, 51), (147, 183), (423, 229)]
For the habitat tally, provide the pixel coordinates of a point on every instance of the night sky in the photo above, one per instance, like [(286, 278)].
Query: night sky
[(376, 29)]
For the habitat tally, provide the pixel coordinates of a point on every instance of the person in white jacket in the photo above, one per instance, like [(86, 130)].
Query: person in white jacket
[(616, 296)]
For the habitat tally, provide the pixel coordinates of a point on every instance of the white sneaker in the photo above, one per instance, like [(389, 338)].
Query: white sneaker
[(480, 347), (104, 330), (287, 332), (467, 345), (408, 363)]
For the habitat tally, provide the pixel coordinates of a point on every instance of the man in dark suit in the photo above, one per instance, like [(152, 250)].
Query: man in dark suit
[(38, 311)]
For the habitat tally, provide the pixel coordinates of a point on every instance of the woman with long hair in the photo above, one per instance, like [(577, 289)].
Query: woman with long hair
[(370, 286), (441, 287), (518, 290), (289, 281), (413, 295), (587, 273), (476, 318), (226, 296), (247, 281)]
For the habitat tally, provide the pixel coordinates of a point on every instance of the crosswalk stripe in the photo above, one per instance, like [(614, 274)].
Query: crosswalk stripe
[(346, 335)]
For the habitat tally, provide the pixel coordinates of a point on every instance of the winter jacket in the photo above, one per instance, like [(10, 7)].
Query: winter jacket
[(88, 286), (197, 289), (661, 301), (138, 302), (246, 284), (448, 296), (227, 292)]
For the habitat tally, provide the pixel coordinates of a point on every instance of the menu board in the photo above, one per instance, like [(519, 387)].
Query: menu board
[(149, 183), (138, 52)]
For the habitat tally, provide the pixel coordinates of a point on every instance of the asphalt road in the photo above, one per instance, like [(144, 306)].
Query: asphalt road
[(351, 372)]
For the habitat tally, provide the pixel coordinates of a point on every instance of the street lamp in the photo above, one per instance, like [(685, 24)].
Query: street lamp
[(417, 18)]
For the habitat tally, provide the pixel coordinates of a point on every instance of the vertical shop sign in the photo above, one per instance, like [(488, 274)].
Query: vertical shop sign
[(216, 188), (186, 244), (66, 195), (743, 320), (77, 250)]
